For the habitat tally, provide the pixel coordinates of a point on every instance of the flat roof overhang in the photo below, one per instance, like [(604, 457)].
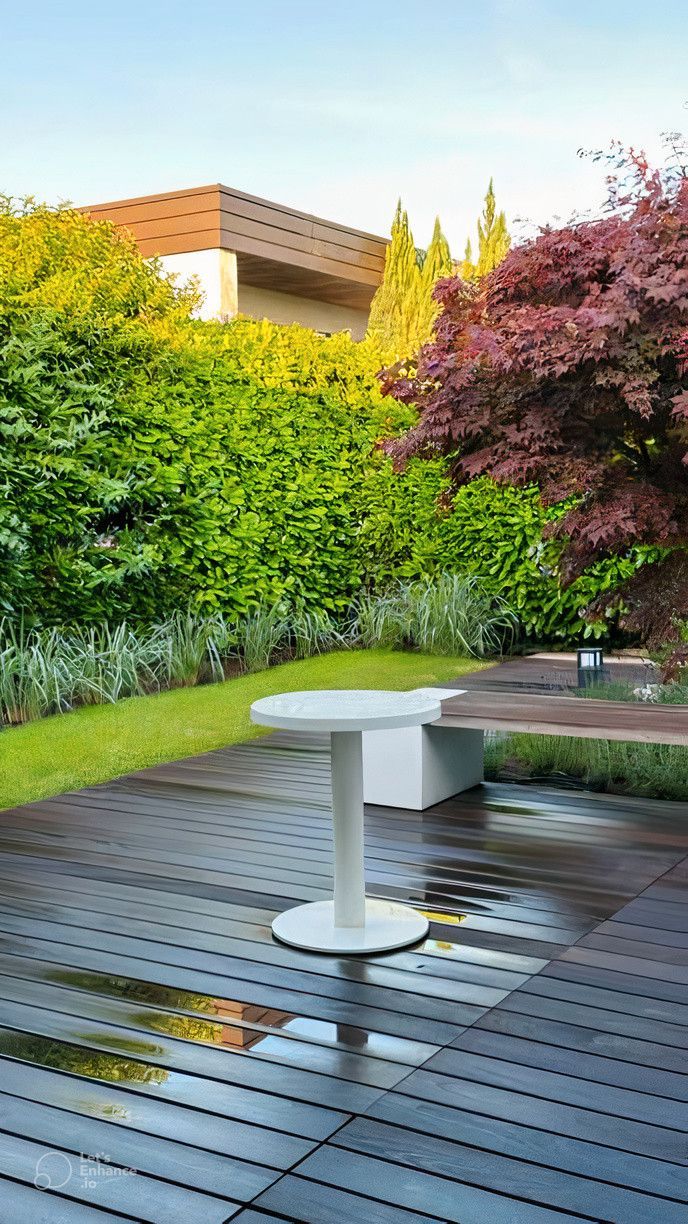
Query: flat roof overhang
[(277, 247)]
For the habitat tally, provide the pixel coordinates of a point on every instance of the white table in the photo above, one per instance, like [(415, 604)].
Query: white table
[(350, 922)]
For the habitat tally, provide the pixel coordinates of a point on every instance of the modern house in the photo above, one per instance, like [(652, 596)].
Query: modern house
[(257, 258)]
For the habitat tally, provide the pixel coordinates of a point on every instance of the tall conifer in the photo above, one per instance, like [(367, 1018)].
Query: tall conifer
[(493, 240), (403, 310)]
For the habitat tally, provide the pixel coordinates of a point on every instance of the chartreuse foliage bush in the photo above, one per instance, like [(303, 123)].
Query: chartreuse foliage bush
[(150, 464), (411, 528)]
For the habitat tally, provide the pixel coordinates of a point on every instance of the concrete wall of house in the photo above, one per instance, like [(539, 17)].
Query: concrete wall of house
[(216, 270), (288, 308)]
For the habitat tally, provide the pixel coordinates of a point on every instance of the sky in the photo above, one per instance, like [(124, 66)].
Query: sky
[(338, 109)]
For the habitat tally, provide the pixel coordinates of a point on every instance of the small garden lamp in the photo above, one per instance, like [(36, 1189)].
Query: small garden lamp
[(590, 665)]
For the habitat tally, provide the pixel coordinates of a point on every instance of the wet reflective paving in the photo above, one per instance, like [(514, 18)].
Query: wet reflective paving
[(163, 1058)]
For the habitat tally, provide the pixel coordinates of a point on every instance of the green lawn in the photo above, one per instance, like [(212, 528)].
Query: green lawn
[(97, 743)]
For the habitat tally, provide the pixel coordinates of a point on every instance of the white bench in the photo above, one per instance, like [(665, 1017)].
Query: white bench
[(416, 767)]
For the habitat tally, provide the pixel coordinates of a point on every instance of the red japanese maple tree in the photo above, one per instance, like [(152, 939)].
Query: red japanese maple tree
[(567, 367)]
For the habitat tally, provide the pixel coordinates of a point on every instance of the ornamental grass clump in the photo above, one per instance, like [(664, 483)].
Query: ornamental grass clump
[(451, 614), (51, 671), (261, 635), (379, 620), (313, 632), (454, 615)]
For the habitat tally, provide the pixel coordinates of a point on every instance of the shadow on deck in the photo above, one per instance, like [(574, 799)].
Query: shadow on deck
[(525, 1063)]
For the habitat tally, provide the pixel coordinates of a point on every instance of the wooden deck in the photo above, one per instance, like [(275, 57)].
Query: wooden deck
[(527, 1063), (556, 673)]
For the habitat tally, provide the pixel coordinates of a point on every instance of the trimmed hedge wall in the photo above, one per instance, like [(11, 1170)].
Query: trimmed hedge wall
[(495, 532), (147, 462)]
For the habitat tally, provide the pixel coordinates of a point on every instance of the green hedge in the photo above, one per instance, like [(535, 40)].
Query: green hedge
[(141, 474), (147, 462), (411, 529)]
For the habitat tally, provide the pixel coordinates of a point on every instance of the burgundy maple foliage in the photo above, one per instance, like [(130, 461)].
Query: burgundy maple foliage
[(568, 367)]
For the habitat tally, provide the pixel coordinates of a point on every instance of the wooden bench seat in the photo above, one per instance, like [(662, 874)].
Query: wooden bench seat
[(586, 718)]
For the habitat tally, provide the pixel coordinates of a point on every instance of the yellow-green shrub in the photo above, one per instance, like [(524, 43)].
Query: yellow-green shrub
[(148, 462)]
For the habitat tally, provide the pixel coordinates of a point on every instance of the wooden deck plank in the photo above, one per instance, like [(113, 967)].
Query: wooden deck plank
[(560, 1117), (332, 1011), (414, 1189), (551, 983), (247, 1147), (525, 1062), (540, 1147), (25, 1203), (664, 1074), (278, 1082), (493, 1171), (647, 1062), (311, 1201), (97, 1062), (146, 1200), (599, 1019), (260, 1046), (177, 1163)]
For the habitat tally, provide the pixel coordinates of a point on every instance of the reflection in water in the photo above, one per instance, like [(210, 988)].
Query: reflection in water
[(131, 988), (223, 1023), (237, 1024), (107, 1111), (441, 947), (92, 1063), (442, 916), (128, 1045)]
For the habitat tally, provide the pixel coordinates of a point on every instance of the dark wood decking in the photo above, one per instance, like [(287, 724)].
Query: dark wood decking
[(526, 1063), (556, 673)]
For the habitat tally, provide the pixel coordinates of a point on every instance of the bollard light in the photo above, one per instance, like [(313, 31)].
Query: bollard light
[(590, 665)]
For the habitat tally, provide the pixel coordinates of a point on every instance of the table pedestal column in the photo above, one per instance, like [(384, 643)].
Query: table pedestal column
[(347, 817), (350, 922)]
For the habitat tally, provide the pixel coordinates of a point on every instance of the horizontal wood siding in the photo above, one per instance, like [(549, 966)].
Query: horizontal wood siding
[(332, 256), (168, 224)]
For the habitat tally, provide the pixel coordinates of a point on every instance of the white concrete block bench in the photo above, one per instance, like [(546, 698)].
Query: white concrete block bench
[(416, 767), (412, 750)]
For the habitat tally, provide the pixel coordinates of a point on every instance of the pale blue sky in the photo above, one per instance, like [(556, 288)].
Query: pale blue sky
[(337, 109)]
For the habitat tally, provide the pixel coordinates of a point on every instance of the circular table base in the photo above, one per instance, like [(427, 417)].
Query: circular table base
[(387, 925)]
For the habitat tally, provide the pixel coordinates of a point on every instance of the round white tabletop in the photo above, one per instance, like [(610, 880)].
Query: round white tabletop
[(346, 710), (350, 922)]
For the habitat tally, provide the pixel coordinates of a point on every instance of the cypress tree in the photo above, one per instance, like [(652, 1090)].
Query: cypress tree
[(403, 311), (467, 267), (436, 264), (387, 324), (493, 240)]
